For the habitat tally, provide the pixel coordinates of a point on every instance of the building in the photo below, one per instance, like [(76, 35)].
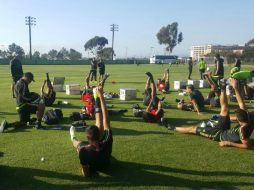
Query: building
[(199, 51), (202, 50)]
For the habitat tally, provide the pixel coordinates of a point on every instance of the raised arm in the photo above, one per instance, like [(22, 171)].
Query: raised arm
[(195, 105), (239, 98), (106, 122)]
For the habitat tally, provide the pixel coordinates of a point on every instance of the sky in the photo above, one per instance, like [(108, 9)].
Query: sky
[(70, 23)]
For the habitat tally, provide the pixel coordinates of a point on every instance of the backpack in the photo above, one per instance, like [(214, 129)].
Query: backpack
[(53, 116)]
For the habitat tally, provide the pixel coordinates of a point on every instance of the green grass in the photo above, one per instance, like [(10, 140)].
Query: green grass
[(145, 156)]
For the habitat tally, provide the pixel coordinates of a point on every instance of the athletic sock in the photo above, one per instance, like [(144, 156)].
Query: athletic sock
[(72, 133)]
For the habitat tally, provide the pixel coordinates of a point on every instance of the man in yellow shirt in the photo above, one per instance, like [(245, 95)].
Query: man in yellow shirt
[(202, 67)]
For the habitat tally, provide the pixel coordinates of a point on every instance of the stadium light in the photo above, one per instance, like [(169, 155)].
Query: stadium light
[(113, 28), (30, 21)]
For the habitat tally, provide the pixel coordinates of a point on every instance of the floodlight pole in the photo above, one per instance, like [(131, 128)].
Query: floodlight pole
[(113, 28), (30, 21)]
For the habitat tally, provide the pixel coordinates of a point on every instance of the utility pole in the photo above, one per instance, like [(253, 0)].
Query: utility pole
[(113, 28), (30, 21)]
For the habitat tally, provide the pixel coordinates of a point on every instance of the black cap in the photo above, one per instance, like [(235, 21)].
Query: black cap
[(30, 76)]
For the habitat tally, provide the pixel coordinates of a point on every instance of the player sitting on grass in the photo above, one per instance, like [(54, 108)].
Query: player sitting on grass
[(95, 156), (196, 100), (163, 84), (235, 137)]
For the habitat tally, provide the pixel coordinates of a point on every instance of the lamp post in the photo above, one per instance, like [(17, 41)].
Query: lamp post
[(113, 28), (30, 21)]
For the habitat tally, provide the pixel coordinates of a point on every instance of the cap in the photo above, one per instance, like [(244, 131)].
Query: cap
[(29, 75)]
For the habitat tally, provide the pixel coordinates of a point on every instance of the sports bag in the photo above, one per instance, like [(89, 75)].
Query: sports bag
[(53, 116)]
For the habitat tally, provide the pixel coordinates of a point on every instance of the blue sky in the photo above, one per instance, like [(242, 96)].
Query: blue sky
[(66, 23)]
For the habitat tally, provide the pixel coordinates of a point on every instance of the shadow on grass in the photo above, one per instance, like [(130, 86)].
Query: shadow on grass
[(8, 113), (121, 174)]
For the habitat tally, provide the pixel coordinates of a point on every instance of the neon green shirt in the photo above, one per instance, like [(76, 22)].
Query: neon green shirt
[(202, 65)]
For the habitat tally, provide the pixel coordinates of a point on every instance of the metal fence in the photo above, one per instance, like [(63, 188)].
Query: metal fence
[(74, 62)]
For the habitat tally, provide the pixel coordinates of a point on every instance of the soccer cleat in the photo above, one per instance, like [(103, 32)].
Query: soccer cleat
[(171, 127), (3, 126), (72, 133), (39, 126)]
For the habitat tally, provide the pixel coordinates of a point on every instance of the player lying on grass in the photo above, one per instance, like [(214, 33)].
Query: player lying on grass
[(154, 112), (234, 137), (88, 98), (196, 102), (49, 96), (163, 84), (95, 155)]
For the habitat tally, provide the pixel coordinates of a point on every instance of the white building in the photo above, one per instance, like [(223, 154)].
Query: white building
[(199, 51)]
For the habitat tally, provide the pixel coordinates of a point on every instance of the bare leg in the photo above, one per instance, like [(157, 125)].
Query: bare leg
[(186, 130), (40, 112), (42, 88), (148, 83), (87, 82), (224, 103)]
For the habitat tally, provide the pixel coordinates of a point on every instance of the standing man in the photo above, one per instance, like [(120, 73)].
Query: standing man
[(16, 71), (202, 67), (101, 66), (190, 65), (219, 69), (93, 71)]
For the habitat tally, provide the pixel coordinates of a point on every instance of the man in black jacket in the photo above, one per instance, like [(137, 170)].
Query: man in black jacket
[(28, 102), (16, 71)]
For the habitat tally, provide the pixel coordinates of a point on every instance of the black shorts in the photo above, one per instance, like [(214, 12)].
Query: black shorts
[(148, 117), (224, 122), (26, 111), (102, 72), (166, 86), (209, 132), (15, 79), (215, 132)]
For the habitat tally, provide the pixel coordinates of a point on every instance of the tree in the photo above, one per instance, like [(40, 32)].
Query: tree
[(105, 53), (17, 49), (250, 43), (74, 55), (63, 54), (3, 54), (168, 35), (44, 56), (36, 55), (95, 44), (52, 54)]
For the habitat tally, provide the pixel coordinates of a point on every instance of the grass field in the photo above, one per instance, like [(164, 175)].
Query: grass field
[(145, 156)]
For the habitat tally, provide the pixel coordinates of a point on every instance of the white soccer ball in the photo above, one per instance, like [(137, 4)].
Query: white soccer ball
[(42, 159), (207, 69)]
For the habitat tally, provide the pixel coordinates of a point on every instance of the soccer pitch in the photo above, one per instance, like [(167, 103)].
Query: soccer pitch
[(145, 156)]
